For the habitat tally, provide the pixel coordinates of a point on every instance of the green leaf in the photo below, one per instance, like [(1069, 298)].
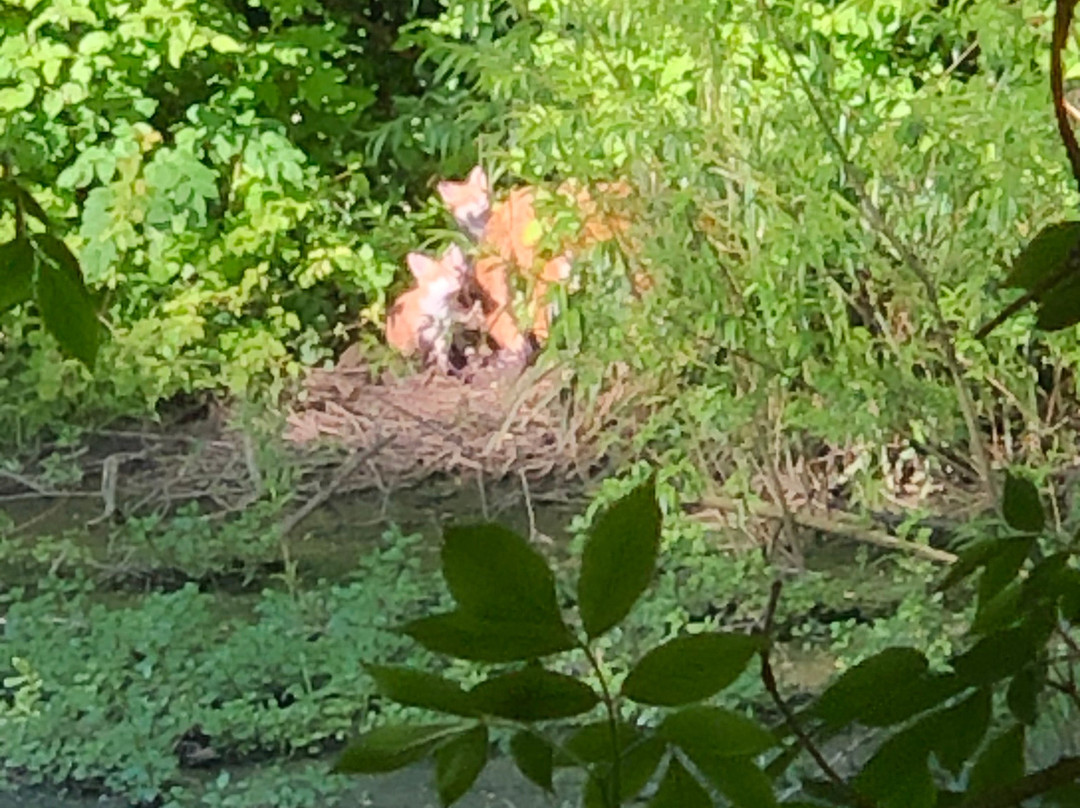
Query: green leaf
[(466, 637), (458, 762), (385, 749), (688, 669), (741, 780), (998, 656), (680, 789), (637, 765), (534, 694), (885, 689), (591, 743), (898, 775), (26, 201), (1021, 506), (619, 559), (16, 273), (64, 303), (534, 758), (223, 43), (971, 559), (1023, 694), (495, 574), (715, 731), (954, 733), (1001, 762), (1003, 566), (1044, 255), (1060, 307), (422, 689)]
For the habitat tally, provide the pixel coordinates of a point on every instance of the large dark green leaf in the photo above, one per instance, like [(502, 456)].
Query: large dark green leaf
[(16, 273), (13, 190), (534, 694), (422, 689), (619, 559), (739, 779), (1001, 762), (898, 775), (680, 789), (591, 743), (458, 762), (534, 757), (689, 669), (1044, 256), (466, 637), (955, 732), (385, 749), (637, 765), (715, 731), (64, 303), (885, 689), (1021, 505), (1060, 308), (494, 574), (998, 656), (1023, 694)]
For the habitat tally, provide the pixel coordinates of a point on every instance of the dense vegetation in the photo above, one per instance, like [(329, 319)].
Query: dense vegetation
[(829, 197)]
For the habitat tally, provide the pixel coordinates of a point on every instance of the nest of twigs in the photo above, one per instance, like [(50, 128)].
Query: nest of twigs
[(495, 423)]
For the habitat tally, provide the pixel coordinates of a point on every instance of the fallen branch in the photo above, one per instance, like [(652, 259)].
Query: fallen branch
[(325, 492), (836, 523)]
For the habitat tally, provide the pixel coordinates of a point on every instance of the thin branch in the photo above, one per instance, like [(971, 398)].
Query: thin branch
[(768, 678), (1065, 771)]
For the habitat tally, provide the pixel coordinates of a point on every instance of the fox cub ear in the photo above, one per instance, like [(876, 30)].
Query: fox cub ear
[(420, 265), (479, 178), (454, 257)]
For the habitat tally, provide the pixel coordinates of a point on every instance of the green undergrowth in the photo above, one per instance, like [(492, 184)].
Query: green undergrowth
[(103, 678)]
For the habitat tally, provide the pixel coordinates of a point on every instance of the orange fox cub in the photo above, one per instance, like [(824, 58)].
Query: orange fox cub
[(420, 319), (507, 234)]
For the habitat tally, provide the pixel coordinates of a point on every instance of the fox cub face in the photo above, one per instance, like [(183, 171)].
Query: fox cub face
[(469, 201), (420, 319)]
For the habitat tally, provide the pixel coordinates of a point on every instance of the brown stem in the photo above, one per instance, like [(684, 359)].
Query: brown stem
[(1061, 773), (768, 678)]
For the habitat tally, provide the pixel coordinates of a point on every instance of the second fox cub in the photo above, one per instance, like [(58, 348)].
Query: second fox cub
[(421, 319), (508, 234)]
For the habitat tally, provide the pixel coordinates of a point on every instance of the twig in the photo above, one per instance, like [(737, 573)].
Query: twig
[(323, 494), (835, 524), (768, 678)]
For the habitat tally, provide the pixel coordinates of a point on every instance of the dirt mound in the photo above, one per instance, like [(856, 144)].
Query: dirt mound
[(496, 423)]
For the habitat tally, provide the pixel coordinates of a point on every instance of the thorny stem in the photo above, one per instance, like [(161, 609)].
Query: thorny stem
[(913, 262), (768, 678), (615, 797)]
